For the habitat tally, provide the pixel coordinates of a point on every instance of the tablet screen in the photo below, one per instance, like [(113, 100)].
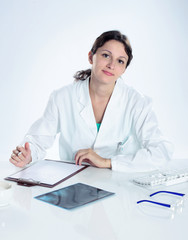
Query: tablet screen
[(73, 196)]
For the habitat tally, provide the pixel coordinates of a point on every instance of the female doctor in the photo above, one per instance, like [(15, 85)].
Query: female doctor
[(101, 120)]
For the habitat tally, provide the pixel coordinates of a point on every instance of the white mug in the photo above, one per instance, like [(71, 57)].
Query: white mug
[(5, 193)]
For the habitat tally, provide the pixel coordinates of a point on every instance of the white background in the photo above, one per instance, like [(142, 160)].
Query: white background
[(43, 43)]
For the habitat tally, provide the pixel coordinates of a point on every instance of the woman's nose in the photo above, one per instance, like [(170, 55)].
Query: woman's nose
[(111, 64)]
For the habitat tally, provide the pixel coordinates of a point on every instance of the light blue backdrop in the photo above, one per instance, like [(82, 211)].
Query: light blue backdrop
[(43, 43)]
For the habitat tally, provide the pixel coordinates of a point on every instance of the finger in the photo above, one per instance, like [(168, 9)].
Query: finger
[(22, 150), (13, 161), (82, 158), (16, 152), (21, 157), (27, 148), (89, 162), (13, 156), (17, 164), (18, 158), (79, 154)]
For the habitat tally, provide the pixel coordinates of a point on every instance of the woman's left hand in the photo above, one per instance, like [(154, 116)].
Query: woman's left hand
[(89, 156)]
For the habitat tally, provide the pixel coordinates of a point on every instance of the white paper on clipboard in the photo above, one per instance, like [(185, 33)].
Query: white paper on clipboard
[(47, 172)]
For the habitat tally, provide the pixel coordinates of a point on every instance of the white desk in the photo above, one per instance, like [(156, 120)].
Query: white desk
[(114, 217)]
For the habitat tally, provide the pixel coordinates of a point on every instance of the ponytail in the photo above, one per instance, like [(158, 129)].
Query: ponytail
[(82, 75)]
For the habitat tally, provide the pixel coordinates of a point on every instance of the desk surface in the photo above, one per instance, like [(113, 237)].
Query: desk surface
[(115, 217)]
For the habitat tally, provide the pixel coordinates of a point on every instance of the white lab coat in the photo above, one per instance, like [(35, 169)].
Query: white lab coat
[(128, 135)]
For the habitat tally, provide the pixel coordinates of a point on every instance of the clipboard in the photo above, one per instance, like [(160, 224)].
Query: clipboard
[(45, 173)]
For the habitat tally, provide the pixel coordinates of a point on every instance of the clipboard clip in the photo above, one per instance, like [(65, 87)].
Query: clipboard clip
[(27, 182)]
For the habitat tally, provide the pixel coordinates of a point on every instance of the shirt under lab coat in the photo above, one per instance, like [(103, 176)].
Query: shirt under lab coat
[(128, 135)]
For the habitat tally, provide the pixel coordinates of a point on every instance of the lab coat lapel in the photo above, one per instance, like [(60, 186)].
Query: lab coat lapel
[(86, 110)]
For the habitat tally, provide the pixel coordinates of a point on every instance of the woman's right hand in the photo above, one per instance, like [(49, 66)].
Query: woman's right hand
[(21, 156)]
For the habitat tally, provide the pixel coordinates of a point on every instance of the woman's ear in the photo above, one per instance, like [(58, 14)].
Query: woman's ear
[(90, 57)]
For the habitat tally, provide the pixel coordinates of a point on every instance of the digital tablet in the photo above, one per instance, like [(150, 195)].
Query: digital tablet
[(74, 196)]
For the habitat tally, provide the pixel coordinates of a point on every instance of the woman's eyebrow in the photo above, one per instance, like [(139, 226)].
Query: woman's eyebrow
[(106, 51), (111, 53)]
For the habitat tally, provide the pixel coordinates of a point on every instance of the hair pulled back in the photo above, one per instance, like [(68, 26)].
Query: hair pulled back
[(99, 42)]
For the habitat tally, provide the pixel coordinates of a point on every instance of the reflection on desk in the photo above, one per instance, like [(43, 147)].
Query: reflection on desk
[(117, 217)]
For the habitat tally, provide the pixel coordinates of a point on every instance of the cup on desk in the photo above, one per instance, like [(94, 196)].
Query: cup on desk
[(5, 193)]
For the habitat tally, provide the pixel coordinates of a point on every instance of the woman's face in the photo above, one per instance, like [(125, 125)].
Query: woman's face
[(109, 62)]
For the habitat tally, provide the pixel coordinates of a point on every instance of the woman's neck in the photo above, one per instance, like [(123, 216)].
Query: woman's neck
[(100, 96), (100, 91)]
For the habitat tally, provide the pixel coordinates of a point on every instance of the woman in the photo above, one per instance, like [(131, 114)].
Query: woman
[(100, 119)]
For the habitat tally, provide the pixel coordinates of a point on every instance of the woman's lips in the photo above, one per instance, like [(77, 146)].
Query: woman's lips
[(107, 73)]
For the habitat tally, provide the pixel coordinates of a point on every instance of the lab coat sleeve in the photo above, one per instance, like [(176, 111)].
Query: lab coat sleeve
[(154, 151), (42, 133)]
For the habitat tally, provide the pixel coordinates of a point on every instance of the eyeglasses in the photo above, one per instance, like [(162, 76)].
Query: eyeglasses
[(172, 206)]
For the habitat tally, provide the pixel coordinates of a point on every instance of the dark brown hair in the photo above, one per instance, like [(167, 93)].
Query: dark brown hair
[(99, 42)]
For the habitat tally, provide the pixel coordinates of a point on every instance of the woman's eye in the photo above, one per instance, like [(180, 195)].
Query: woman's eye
[(105, 55), (121, 61)]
